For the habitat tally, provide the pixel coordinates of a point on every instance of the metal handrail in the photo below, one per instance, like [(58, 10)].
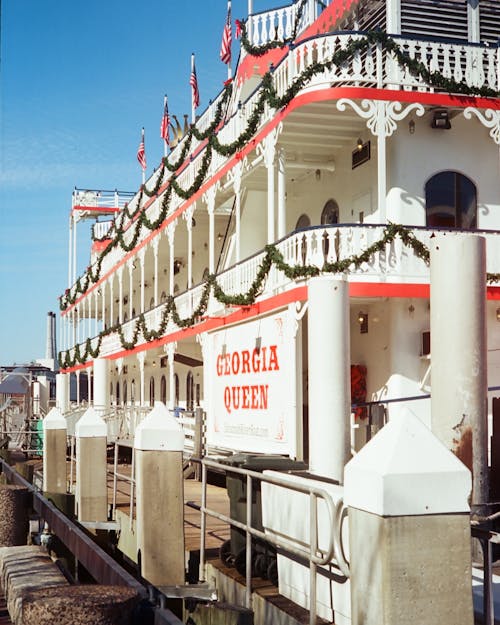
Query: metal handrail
[(314, 554)]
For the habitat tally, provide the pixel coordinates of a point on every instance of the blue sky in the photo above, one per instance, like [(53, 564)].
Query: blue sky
[(78, 80)]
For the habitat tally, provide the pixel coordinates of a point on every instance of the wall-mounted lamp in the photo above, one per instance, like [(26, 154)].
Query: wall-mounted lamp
[(498, 314), (359, 144), (411, 126), (363, 322), (441, 119)]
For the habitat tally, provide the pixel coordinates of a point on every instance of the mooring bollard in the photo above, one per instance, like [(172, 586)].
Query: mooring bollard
[(54, 452), (158, 443), (409, 530), (91, 478)]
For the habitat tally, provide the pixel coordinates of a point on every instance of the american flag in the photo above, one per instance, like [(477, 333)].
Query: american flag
[(225, 46), (165, 122), (141, 154), (193, 81)]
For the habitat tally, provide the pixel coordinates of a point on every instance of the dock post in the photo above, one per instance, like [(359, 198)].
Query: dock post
[(159, 443), (91, 478), (54, 452), (459, 354), (409, 529), (329, 376)]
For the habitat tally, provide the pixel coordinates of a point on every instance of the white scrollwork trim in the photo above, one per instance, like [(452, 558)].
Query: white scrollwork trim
[(381, 117), (267, 147), (489, 118)]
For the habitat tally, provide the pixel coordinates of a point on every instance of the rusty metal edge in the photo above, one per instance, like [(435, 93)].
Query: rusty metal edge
[(98, 563)]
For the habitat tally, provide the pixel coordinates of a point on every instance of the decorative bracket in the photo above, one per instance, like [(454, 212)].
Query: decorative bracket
[(489, 118), (381, 116)]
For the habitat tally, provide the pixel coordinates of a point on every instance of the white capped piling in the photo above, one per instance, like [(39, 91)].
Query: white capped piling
[(62, 392), (91, 485), (159, 443), (329, 376), (101, 385), (409, 529), (458, 352), (54, 452)]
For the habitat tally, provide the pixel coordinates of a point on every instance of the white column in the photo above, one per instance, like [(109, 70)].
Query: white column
[(74, 250), (111, 301), (142, 260), (156, 243), (474, 30), (458, 352), (329, 376), (130, 265), (381, 162), (270, 164), (62, 392), (394, 17), (209, 198), (96, 313), (281, 194), (237, 171), (103, 300), (171, 239), (101, 385), (189, 225), (120, 294)]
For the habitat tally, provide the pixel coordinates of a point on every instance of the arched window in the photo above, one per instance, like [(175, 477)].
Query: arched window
[(152, 302), (151, 391), (118, 393), (111, 393), (163, 297), (330, 213), (163, 389), (451, 201), (303, 222), (189, 391), (132, 392), (125, 392)]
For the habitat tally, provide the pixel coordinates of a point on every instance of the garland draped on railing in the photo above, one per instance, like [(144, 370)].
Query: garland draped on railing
[(267, 95), (272, 257)]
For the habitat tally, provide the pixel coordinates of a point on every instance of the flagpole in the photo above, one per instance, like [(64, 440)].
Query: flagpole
[(164, 141), (143, 169), (249, 22), (229, 68), (193, 108)]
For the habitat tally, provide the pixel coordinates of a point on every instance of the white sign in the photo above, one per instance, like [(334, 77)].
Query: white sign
[(250, 376)]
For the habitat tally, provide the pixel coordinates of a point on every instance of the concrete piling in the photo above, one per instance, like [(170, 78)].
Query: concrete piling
[(91, 467), (158, 443), (13, 515), (409, 530), (54, 452)]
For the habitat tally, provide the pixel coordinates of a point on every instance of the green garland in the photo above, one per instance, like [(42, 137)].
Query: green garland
[(272, 257), (268, 94)]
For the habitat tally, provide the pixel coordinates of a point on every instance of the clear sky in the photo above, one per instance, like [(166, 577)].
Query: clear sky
[(78, 80)]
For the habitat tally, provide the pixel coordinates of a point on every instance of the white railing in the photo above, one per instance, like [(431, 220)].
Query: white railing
[(101, 229), (95, 198), (475, 65), (278, 24), (312, 246)]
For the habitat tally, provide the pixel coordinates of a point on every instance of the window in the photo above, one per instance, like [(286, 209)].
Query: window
[(151, 391), (132, 393), (163, 389), (176, 384), (189, 391), (118, 393), (125, 392), (303, 222), (451, 201), (330, 213)]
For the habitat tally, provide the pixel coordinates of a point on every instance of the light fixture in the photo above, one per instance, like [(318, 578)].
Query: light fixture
[(441, 119), (359, 144), (411, 126), (363, 322), (498, 314)]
